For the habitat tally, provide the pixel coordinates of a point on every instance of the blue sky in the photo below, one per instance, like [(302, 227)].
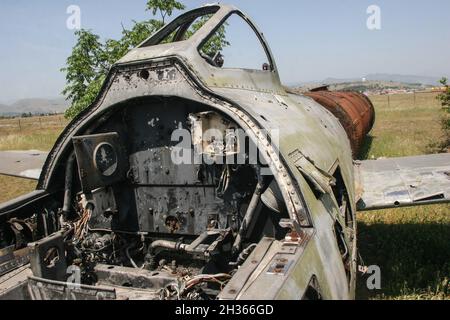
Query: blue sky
[(311, 40)]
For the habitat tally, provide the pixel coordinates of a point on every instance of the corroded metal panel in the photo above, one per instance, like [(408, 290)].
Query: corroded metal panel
[(23, 164), (400, 182), (354, 110)]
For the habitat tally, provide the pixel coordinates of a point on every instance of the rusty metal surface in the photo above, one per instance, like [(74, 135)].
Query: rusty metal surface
[(354, 110), (137, 278), (399, 182), (11, 259), (45, 289), (14, 285)]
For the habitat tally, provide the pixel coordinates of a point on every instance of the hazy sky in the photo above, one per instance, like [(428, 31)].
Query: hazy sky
[(311, 40)]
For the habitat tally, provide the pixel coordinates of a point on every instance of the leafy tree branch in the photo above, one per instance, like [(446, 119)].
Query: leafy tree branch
[(91, 59), (444, 98)]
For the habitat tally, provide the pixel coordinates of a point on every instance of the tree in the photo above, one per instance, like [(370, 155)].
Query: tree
[(90, 60), (444, 98), (216, 43), (165, 7)]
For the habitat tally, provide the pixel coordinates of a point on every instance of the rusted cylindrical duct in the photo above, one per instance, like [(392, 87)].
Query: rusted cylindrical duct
[(354, 110)]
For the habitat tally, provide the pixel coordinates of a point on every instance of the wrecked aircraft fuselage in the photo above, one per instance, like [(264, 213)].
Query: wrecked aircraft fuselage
[(189, 180)]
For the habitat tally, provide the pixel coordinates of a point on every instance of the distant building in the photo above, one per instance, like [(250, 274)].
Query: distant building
[(439, 89)]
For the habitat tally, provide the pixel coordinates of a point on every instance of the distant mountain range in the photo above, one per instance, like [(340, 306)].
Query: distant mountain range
[(398, 78), (35, 106), (431, 81), (59, 105)]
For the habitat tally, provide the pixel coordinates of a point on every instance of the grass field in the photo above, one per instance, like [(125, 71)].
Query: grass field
[(38, 133), (411, 246)]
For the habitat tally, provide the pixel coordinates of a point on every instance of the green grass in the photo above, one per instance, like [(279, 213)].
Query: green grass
[(11, 187), (42, 140), (411, 246), (402, 128), (38, 133)]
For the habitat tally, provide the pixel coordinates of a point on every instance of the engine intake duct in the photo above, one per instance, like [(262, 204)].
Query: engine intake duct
[(354, 110)]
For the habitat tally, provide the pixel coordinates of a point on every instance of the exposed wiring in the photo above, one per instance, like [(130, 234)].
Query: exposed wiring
[(127, 252), (183, 288), (81, 226), (224, 181)]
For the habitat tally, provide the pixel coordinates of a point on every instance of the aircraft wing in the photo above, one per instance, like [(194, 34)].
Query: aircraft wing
[(402, 182), (23, 164)]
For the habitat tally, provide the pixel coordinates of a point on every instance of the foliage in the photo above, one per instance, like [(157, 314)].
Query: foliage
[(214, 44), (84, 65), (87, 97), (165, 7), (90, 60), (444, 98)]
